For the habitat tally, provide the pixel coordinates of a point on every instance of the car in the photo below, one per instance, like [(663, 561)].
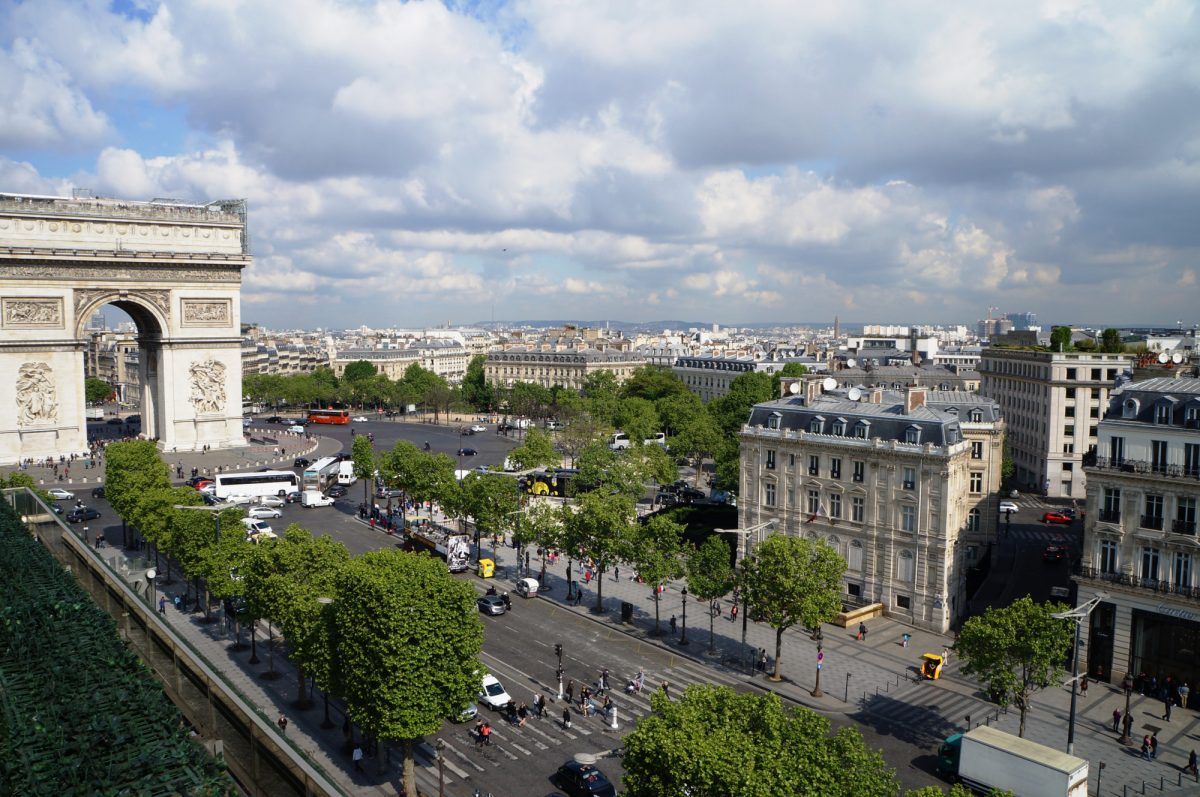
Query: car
[(207, 488), (262, 512), (583, 780), (274, 419), (301, 462), (386, 493), (134, 419), (492, 693), (527, 587), (478, 428), (59, 493), (337, 491), (245, 423), (114, 422), (195, 481), (56, 508), (690, 494), (467, 452), (82, 513), (1053, 554), (238, 500), (98, 492), (490, 604), (270, 500), (469, 712), (1060, 518), (1007, 506), (359, 419), (297, 428), (293, 497), (211, 499)]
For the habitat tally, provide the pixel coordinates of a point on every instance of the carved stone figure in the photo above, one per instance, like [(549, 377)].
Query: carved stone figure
[(208, 386), (37, 400), (32, 312), (195, 312)]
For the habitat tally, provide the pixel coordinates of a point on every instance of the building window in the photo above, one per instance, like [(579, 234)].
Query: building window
[(975, 416), (910, 479), (860, 469), (904, 567), (814, 426), (973, 520), (769, 494), (814, 464), (1185, 516), (912, 435), (1181, 569), (1191, 459), (791, 497), (835, 468), (773, 421), (1130, 408), (1149, 564), (770, 459), (902, 602), (854, 556), (856, 509), (1070, 373), (1158, 456), (791, 460), (1109, 561), (976, 449), (1162, 412), (1110, 512), (1069, 412), (835, 506), (861, 428), (1071, 392), (1069, 430), (908, 518), (1116, 450), (1152, 517), (1068, 448), (839, 427), (814, 502), (976, 482)]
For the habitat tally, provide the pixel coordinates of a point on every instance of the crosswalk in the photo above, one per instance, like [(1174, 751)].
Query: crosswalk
[(925, 709), (510, 744)]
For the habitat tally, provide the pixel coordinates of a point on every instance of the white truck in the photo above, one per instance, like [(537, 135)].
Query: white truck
[(312, 498), (345, 474), (985, 758), (94, 413), (618, 441), (455, 548)]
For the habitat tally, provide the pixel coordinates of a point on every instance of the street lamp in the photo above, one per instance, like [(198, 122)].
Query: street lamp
[(1078, 614), (440, 744), (151, 574), (325, 610), (1127, 684), (744, 536), (683, 640), (816, 692)]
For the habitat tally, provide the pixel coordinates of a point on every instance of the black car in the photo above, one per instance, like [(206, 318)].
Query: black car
[(56, 508), (114, 422), (134, 419), (337, 491), (195, 480), (98, 492), (81, 514), (467, 452), (274, 419), (583, 780), (301, 462), (690, 494), (293, 497)]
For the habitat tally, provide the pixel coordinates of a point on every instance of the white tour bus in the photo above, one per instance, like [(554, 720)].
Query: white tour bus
[(267, 482), (322, 474)]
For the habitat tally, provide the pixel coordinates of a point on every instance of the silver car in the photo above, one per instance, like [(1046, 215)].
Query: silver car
[(490, 604)]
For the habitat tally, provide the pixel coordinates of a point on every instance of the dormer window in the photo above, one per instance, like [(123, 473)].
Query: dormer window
[(773, 420), (862, 429), (1162, 412), (839, 427), (975, 416), (1130, 408), (816, 425), (912, 435)]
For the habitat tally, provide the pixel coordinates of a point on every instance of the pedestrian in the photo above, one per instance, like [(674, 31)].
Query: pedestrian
[(282, 722), (1083, 685), (587, 576), (1167, 704), (1183, 694), (566, 717), (1146, 747), (1154, 745), (1116, 719), (672, 624), (904, 639), (666, 688), (1191, 766), (522, 715), (733, 613), (762, 660), (486, 733), (862, 631), (945, 655), (357, 757), (604, 680), (716, 609), (617, 573), (570, 690), (162, 604)]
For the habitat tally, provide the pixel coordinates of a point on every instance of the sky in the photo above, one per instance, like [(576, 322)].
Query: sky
[(424, 163)]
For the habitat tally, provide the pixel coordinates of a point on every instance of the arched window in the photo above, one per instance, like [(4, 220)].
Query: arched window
[(1130, 408)]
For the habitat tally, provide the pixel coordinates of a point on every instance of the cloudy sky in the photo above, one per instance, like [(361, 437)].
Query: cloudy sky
[(424, 162)]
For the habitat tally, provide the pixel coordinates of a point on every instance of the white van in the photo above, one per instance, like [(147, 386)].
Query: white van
[(346, 472), (311, 498), (257, 530), (297, 428), (618, 441)]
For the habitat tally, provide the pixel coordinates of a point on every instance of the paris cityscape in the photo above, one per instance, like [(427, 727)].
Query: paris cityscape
[(524, 398)]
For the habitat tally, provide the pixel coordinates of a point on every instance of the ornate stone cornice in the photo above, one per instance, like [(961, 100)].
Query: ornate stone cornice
[(116, 271)]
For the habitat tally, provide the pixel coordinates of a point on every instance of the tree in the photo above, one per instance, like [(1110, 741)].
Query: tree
[(542, 524), (1110, 341), (96, 390), (600, 391), (1017, 650), (655, 550), (130, 470), (957, 790), (476, 390), (359, 371), (789, 369), (491, 501), (653, 382), (733, 409), (600, 529), (789, 580), (676, 411), (529, 399), (698, 436), (715, 741), (408, 640), (626, 471), (536, 452), (710, 575), (1060, 339), (362, 451), (637, 418)]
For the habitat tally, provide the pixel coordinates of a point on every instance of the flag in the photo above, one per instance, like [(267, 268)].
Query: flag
[(820, 511)]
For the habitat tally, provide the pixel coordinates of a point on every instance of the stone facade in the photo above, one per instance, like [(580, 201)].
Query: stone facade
[(569, 369), (175, 269)]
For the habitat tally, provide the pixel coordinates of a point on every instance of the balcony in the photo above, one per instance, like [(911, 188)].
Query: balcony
[(1110, 515), (1136, 583), (1142, 466), (1152, 522), (1183, 527)]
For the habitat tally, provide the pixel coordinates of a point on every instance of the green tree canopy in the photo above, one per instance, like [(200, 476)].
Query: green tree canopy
[(789, 580), (697, 436), (638, 418), (710, 575), (1110, 341), (677, 410), (359, 371), (601, 391), (1017, 650), (476, 390), (362, 450), (655, 550), (537, 451), (96, 390), (1060, 339), (600, 527), (132, 469), (715, 742), (408, 640), (653, 382)]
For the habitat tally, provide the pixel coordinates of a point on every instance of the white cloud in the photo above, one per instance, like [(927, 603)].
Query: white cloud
[(43, 108)]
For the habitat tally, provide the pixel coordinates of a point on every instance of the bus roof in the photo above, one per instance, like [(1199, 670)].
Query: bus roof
[(321, 464), (263, 473)]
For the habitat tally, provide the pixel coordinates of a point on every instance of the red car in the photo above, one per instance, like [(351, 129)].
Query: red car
[(1057, 517)]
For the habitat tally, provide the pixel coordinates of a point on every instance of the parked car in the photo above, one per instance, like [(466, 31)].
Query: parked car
[(359, 419), (270, 500), (490, 604), (56, 508), (1053, 554), (583, 780), (114, 422), (274, 419), (239, 500), (1008, 506), (337, 491), (98, 492), (467, 452), (492, 693), (1060, 518), (478, 428), (301, 462), (293, 497), (197, 481), (82, 513), (263, 512), (59, 493)]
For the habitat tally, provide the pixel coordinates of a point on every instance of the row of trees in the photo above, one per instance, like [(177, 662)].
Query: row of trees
[(361, 385), (391, 633)]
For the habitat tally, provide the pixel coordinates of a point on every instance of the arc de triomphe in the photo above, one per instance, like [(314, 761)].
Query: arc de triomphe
[(176, 269)]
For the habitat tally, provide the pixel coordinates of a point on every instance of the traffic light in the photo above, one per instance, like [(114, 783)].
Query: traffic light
[(558, 652)]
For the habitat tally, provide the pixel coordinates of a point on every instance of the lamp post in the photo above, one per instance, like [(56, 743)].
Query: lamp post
[(1078, 614), (326, 611), (683, 640), (440, 745), (816, 692), (151, 574), (846, 699), (1127, 684)]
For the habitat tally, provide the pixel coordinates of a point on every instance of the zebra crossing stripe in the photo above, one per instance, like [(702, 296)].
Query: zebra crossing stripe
[(465, 758), (429, 755)]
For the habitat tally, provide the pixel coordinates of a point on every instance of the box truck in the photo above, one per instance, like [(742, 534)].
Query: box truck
[(985, 758)]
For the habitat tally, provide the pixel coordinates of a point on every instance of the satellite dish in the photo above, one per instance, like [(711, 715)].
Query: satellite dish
[(794, 388), (829, 384), (855, 394), (1163, 357), (1177, 358), (851, 362)]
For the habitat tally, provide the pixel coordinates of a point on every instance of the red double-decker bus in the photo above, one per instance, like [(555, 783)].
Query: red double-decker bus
[(329, 416)]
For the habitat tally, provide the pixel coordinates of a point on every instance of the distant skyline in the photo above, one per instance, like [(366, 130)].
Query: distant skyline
[(413, 164)]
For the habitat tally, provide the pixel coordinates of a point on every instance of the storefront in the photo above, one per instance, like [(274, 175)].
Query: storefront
[(1165, 644), (1142, 633)]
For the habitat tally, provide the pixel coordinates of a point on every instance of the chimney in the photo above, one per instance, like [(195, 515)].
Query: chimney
[(812, 391), (875, 396), (914, 396), (785, 385)]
